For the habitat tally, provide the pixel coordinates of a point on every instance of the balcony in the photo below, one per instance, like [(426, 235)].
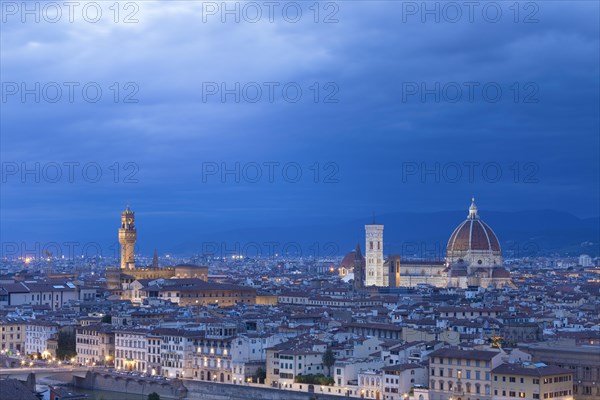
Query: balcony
[(458, 390)]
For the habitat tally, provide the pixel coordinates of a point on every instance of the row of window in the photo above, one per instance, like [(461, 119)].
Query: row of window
[(441, 386), (557, 394), (4, 328), (459, 374), (468, 363), (131, 343), (550, 395), (11, 336), (563, 378)]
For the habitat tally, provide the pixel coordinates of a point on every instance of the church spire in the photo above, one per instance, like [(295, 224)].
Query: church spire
[(358, 254), (473, 209)]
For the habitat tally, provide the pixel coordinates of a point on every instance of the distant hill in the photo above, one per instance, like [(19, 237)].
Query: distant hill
[(419, 235)]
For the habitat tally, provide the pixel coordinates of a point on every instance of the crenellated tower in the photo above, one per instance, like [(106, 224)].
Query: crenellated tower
[(127, 238)]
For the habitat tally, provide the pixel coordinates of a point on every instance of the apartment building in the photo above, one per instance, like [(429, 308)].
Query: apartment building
[(462, 373), (37, 334), (95, 344), (131, 350), (532, 381), (12, 338), (299, 356)]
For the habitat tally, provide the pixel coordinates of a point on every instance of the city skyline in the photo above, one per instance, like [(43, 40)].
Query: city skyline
[(300, 200)]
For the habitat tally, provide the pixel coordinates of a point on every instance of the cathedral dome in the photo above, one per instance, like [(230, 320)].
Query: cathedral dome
[(472, 236), (348, 260)]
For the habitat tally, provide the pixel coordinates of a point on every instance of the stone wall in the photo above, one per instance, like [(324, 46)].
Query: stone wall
[(201, 390), (128, 384), (194, 390)]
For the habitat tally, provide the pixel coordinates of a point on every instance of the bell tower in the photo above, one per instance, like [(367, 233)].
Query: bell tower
[(127, 238), (374, 273)]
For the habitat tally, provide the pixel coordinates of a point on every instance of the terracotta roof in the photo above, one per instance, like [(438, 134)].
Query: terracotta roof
[(453, 352), (531, 370)]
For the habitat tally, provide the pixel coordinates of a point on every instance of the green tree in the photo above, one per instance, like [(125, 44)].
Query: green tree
[(107, 319), (66, 345), (316, 379), (153, 396), (260, 375), (328, 360)]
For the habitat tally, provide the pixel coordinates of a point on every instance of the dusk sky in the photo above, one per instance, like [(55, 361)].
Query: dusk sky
[(504, 107)]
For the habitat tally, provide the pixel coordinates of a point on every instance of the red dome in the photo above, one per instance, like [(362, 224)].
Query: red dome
[(348, 260), (472, 234)]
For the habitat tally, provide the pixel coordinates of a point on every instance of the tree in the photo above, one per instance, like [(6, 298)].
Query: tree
[(107, 319), (314, 379), (260, 375), (66, 345), (328, 360), (153, 396)]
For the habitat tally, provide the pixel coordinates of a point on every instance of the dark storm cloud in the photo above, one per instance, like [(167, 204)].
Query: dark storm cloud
[(371, 135)]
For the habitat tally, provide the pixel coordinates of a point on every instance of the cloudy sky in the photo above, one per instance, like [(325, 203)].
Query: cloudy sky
[(206, 116)]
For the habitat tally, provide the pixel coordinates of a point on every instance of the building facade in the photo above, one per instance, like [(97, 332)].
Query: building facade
[(95, 344), (461, 373), (37, 334), (374, 271), (532, 382)]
